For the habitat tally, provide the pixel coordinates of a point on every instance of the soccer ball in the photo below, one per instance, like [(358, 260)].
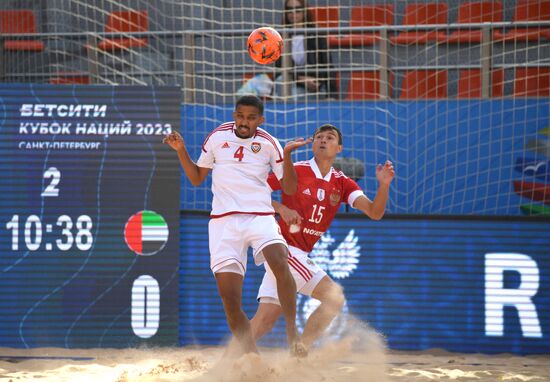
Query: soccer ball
[(265, 45)]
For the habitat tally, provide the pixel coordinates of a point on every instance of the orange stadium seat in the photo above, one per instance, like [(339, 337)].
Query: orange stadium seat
[(422, 14), (527, 10), (532, 82), (19, 21), (365, 85), (326, 17), (475, 12), (365, 16), (469, 83), (424, 84), (125, 21), (70, 79)]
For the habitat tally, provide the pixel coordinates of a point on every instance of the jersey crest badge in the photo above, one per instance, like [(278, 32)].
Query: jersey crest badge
[(321, 194), (334, 199), (255, 147), (225, 145)]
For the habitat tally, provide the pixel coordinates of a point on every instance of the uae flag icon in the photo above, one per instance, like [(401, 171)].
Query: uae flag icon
[(146, 233)]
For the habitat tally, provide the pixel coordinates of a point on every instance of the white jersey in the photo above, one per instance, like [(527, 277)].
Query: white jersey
[(239, 170)]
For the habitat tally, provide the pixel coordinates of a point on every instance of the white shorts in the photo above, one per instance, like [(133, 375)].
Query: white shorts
[(306, 274), (230, 236)]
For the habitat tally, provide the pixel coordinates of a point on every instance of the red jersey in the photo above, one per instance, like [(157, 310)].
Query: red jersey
[(317, 200)]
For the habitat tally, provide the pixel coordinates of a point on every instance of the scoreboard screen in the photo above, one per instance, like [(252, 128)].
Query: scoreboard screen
[(89, 216)]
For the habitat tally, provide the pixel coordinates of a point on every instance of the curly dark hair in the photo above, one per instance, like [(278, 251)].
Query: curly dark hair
[(251, 100)]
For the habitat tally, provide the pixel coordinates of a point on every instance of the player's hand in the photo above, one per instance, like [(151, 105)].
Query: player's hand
[(312, 84), (290, 216), (298, 142), (385, 173), (174, 140)]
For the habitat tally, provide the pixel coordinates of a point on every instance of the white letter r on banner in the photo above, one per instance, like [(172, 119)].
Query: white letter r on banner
[(496, 296)]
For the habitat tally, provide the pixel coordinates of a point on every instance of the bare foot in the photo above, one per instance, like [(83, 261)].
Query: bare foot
[(298, 350)]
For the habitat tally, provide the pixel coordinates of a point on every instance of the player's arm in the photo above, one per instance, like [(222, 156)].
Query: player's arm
[(289, 181), (375, 209), (194, 173), (288, 215)]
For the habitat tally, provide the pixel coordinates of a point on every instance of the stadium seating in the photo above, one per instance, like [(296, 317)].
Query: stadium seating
[(422, 14), (532, 82), (527, 10), (365, 85), (364, 16), (357, 54), (474, 12), (125, 21), (469, 83), (424, 84), (19, 21)]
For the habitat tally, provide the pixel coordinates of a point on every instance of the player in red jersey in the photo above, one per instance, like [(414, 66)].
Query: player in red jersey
[(305, 216), (240, 155)]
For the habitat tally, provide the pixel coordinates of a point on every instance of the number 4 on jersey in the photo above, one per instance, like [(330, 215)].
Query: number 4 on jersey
[(239, 154)]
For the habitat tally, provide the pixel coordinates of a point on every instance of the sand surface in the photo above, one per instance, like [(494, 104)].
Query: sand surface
[(361, 358)]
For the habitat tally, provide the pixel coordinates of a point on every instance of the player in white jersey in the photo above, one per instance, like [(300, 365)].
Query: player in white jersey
[(305, 216), (241, 155)]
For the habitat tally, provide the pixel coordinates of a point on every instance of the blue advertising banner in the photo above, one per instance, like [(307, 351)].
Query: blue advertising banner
[(481, 157), (89, 218), (461, 284)]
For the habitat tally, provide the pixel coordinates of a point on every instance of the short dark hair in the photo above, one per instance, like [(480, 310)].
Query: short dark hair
[(327, 127), (251, 100)]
